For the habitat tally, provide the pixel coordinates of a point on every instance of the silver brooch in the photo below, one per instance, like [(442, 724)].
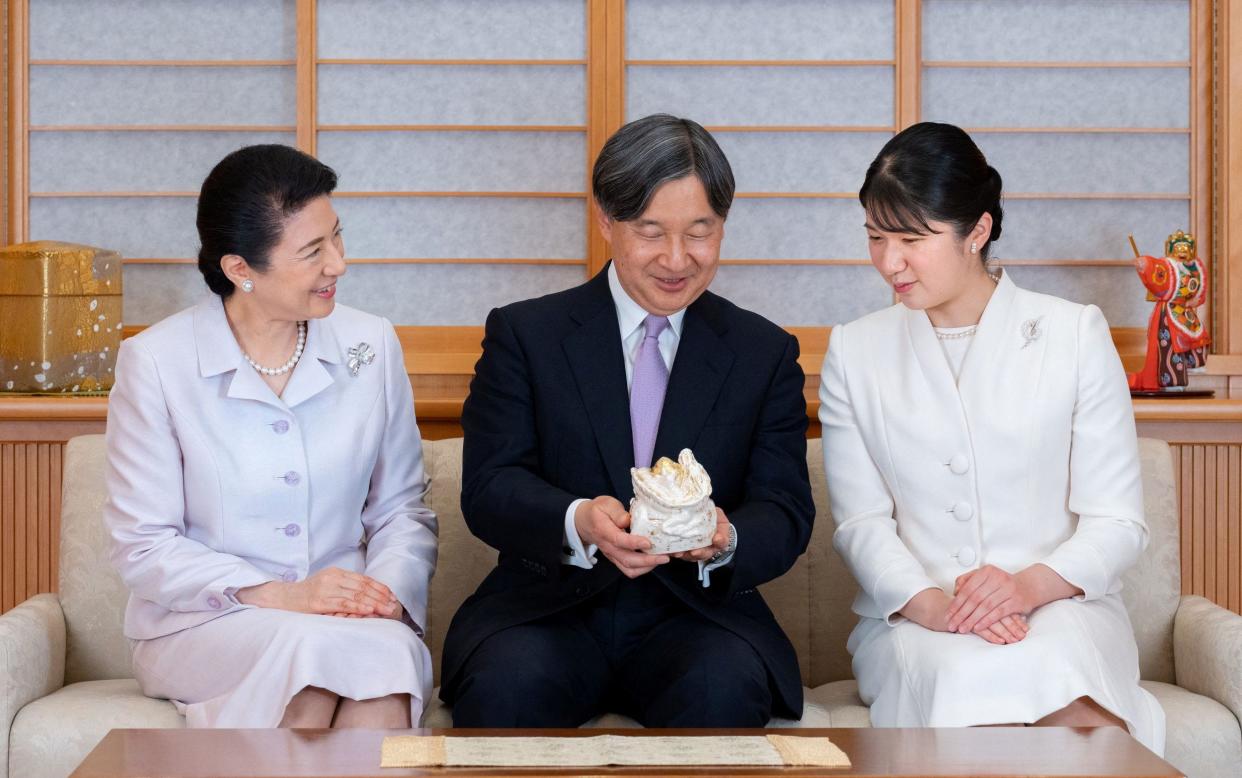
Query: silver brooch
[(360, 355), (1031, 331)]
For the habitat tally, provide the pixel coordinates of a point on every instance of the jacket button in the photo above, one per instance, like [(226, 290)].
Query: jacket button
[(581, 591), (289, 576), (292, 478), (959, 464), (292, 530), (962, 511), (965, 556), (280, 426), (214, 602)]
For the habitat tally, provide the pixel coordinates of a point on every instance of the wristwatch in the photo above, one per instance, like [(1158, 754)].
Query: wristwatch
[(727, 550)]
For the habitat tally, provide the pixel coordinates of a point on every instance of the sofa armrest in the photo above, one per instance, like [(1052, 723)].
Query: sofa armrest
[(1207, 651), (32, 660)]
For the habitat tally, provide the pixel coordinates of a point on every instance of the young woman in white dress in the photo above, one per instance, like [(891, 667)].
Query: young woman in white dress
[(982, 462), (265, 476)]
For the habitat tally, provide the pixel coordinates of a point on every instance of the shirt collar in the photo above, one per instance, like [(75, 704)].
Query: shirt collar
[(218, 351), (630, 315)]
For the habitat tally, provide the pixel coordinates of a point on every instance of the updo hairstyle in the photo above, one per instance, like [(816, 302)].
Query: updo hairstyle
[(932, 172), (245, 201)]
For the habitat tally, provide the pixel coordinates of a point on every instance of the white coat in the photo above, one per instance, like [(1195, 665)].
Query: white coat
[(215, 484), (1030, 457)]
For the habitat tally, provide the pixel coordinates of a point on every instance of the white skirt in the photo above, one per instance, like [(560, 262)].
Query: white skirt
[(914, 677), (241, 670)]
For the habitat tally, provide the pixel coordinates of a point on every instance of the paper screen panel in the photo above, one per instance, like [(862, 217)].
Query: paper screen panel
[(464, 227), (165, 289), (452, 94), (457, 161), (795, 229), (424, 295), (808, 295), (133, 161), (161, 227), (855, 96), (1056, 30), (452, 29), (800, 161), (1087, 229), (449, 295), (78, 94), (163, 29), (1090, 162), (742, 29), (1057, 97)]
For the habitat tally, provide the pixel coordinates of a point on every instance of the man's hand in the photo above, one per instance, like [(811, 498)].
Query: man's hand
[(603, 522), (720, 542)]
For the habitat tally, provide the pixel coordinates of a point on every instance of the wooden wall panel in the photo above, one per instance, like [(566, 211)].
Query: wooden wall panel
[(1210, 495), (30, 481)]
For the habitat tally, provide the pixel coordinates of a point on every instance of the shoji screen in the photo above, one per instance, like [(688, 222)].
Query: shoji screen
[(459, 131), (1085, 108), (801, 95), (458, 128), (130, 104)]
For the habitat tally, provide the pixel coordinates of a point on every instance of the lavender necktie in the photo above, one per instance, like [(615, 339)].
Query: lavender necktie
[(647, 390)]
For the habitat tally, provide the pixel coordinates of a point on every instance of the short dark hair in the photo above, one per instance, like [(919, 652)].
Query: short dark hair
[(245, 200), (932, 172), (649, 152)]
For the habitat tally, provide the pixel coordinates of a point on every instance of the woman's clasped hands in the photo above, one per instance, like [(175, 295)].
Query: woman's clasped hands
[(991, 603), (331, 591)]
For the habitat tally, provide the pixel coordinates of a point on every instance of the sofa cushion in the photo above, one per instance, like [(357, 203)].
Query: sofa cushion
[(1202, 737), (840, 703), (832, 587), (52, 735), (464, 560), (92, 595), (1152, 588)]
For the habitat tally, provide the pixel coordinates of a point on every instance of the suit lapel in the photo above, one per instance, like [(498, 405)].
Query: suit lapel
[(311, 376), (594, 354), (1004, 365), (218, 353), (699, 370), (931, 360)]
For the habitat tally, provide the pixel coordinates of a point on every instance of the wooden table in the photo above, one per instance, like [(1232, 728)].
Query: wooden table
[(1001, 752)]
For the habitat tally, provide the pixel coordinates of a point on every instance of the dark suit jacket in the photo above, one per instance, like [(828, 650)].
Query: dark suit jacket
[(547, 421)]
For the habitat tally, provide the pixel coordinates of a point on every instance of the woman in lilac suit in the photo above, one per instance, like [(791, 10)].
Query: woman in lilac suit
[(265, 476)]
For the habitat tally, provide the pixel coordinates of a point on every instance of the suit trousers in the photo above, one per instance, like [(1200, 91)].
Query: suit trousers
[(633, 649)]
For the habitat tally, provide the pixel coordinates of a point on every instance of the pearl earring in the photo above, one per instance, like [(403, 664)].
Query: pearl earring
[(974, 247), (248, 285)]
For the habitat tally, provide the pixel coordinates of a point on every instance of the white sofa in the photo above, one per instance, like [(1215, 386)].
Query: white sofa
[(65, 676)]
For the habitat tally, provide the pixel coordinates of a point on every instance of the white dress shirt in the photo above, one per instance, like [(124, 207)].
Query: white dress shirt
[(630, 318)]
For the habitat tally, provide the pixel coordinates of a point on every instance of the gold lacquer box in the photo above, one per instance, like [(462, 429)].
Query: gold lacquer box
[(60, 317)]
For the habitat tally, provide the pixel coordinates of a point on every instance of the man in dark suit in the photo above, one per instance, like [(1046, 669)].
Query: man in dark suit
[(575, 388)]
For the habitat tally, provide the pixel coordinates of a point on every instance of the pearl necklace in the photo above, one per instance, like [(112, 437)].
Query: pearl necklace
[(966, 333), (293, 360)]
